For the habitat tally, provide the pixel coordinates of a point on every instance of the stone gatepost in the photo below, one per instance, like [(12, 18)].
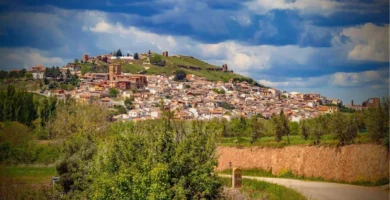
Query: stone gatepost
[(236, 178)]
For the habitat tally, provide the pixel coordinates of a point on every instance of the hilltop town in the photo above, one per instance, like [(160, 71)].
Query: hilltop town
[(193, 92)]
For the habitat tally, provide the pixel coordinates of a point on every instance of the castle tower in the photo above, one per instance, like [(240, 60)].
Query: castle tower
[(118, 69)]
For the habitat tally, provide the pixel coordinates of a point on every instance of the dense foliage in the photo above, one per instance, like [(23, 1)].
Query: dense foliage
[(14, 74), (136, 56), (113, 92), (18, 146), (180, 75), (162, 159), (156, 59), (25, 107), (248, 80), (53, 72)]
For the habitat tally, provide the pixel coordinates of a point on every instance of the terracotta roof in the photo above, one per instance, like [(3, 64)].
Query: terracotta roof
[(323, 108)]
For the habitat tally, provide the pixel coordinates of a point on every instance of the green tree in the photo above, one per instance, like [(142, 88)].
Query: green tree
[(256, 128), (113, 92), (118, 53), (29, 75), (129, 103), (13, 74), (304, 130), (281, 127), (317, 128), (377, 121), (85, 69), (3, 74), (22, 72), (120, 109), (136, 56), (180, 75), (294, 128), (344, 128), (169, 163), (76, 61)]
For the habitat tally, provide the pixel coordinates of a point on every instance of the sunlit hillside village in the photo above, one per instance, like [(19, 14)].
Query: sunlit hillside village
[(192, 97)]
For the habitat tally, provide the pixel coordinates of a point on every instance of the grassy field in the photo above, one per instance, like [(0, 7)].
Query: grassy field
[(263, 190), (269, 141), (132, 68), (290, 175), (15, 180), (173, 62), (28, 175), (28, 85)]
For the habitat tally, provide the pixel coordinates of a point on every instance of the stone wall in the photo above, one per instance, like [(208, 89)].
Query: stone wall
[(363, 162)]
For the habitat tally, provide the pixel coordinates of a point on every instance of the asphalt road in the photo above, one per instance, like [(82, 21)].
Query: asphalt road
[(328, 191)]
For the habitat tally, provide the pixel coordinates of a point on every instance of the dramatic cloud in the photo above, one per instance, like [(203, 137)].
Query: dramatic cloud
[(324, 7), (377, 78), (369, 42), (374, 79), (27, 57)]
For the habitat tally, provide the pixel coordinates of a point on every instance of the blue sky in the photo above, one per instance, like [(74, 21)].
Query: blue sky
[(339, 48)]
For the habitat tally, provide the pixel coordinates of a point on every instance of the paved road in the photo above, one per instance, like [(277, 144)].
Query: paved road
[(328, 191)]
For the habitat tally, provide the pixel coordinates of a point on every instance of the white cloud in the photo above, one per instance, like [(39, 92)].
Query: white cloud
[(322, 7), (367, 42), (367, 78), (243, 19), (13, 58), (298, 82), (123, 37), (244, 57)]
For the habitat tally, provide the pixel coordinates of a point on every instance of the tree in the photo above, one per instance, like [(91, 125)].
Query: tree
[(156, 59), (29, 75), (303, 130), (73, 118), (377, 121), (13, 74), (344, 128), (84, 69), (118, 53), (3, 74), (22, 72), (294, 128), (281, 127), (76, 61), (120, 109), (169, 163), (113, 92), (317, 129), (256, 128), (180, 75), (129, 103), (136, 56)]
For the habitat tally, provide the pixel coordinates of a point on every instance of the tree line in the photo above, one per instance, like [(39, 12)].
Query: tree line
[(343, 127), (25, 107), (14, 74)]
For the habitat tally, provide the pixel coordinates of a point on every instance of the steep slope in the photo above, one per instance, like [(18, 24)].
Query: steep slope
[(173, 63)]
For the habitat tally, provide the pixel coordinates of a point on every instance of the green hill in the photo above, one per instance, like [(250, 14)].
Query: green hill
[(172, 65)]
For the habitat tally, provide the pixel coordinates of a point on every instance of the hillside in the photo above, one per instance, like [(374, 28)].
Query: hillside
[(172, 63)]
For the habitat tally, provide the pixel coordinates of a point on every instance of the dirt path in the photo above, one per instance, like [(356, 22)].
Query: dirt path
[(328, 191)]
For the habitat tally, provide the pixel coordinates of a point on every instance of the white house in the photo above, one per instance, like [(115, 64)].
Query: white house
[(155, 114), (135, 113), (38, 72), (122, 58)]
